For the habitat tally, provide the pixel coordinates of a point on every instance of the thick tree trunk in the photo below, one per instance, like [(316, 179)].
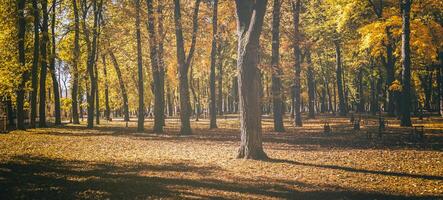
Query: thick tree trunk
[(141, 105), (76, 50), (296, 7), (55, 83), (184, 63), (250, 16), (338, 71), (21, 58), (212, 107), (276, 71), (105, 74), (44, 66), (122, 86), (35, 63), (405, 119), (311, 85)]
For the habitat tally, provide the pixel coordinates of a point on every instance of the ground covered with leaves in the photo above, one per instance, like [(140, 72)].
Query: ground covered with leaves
[(112, 161)]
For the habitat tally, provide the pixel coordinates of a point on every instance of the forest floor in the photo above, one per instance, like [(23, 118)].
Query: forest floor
[(111, 161)]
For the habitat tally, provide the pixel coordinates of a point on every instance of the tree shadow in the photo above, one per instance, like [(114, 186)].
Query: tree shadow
[(28, 177)]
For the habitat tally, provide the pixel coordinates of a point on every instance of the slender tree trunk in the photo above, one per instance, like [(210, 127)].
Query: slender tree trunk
[(250, 16), (76, 50), (405, 119), (311, 85), (338, 72), (55, 83), (440, 80), (22, 57), (105, 74), (141, 106), (373, 94), (122, 86), (160, 91), (212, 107), (35, 63), (10, 111), (44, 65), (276, 70), (170, 101), (220, 77), (184, 63), (360, 97), (296, 7), (328, 91)]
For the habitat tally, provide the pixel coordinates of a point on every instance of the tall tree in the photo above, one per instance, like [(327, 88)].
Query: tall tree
[(35, 62), (339, 77), (250, 14), (212, 107), (405, 119), (44, 65), (276, 71), (75, 61), (141, 106), (105, 74), (22, 60), (55, 84), (220, 76), (296, 7), (311, 84), (184, 63), (122, 86)]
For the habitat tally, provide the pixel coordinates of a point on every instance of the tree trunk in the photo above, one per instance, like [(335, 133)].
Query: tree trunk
[(311, 85), (220, 77), (296, 7), (76, 50), (122, 86), (440, 80), (105, 74), (55, 83), (405, 119), (276, 71), (22, 57), (141, 106), (44, 66), (184, 63), (360, 97), (212, 107), (338, 71), (373, 106), (160, 91), (250, 16), (35, 63)]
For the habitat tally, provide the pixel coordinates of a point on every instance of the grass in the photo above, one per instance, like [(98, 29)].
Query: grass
[(115, 162)]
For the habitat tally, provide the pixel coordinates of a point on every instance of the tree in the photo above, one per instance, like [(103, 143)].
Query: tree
[(250, 16), (75, 61), (296, 4), (105, 74), (311, 84), (22, 61), (122, 86), (184, 63), (35, 62), (405, 119), (276, 71), (44, 65), (141, 106), (55, 85), (339, 77), (212, 108)]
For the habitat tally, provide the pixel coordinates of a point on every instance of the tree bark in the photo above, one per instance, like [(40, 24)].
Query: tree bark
[(212, 107), (360, 93), (296, 6), (184, 63), (405, 119), (122, 86), (311, 85), (276, 70), (141, 106), (105, 74), (161, 64), (76, 50), (220, 77), (21, 57), (440, 80), (338, 71), (55, 83), (250, 16), (44, 66), (35, 63)]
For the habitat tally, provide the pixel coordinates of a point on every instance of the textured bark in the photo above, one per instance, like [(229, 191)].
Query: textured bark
[(276, 70), (220, 78), (21, 59), (161, 63), (184, 63), (141, 106), (76, 50), (338, 72), (55, 83), (405, 118), (250, 16), (35, 62), (44, 65), (311, 85), (212, 106), (122, 86), (296, 6), (105, 74)]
